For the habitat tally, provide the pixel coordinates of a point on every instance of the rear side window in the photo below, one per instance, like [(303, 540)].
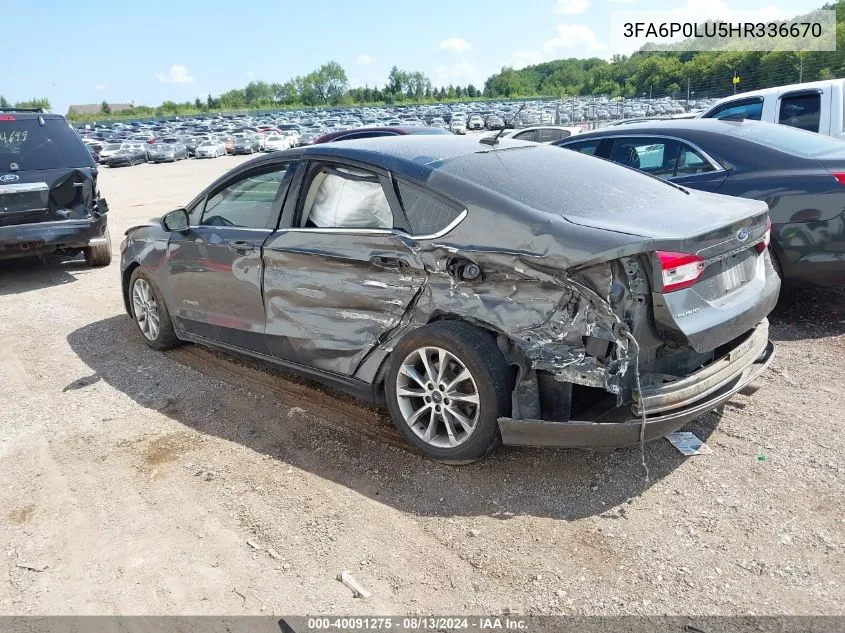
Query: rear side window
[(748, 109), (801, 111), (691, 162), (427, 213), (585, 147), (548, 134), (655, 156), (34, 146), (530, 135)]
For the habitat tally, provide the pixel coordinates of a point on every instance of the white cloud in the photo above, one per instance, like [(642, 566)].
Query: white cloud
[(101, 87), (455, 45), (176, 75), (574, 37), (363, 58), (462, 72), (571, 7), (521, 59), (622, 1), (249, 73)]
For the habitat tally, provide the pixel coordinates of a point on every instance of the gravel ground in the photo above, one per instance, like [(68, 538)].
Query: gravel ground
[(191, 482)]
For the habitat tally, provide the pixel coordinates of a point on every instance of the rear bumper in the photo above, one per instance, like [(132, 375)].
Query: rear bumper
[(667, 408), (24, 240)]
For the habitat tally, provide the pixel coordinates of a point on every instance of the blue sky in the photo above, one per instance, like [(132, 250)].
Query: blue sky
[(149, 51)]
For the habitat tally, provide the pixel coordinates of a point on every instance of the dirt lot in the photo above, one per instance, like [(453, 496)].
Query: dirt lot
[(190, 482)]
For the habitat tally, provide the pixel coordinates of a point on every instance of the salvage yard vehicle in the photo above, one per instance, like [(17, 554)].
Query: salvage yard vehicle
[(799, 174), (509, 292), (815, 106), (210, 148), (49, 200), (127, 157)]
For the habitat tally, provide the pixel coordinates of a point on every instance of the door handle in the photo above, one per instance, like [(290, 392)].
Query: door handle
[(387, 262), (240, 246)]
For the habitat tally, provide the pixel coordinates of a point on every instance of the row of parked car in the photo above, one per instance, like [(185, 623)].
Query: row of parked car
[(304, 127)]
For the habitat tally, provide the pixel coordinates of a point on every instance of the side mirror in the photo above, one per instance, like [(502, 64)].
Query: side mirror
[(176, 221)]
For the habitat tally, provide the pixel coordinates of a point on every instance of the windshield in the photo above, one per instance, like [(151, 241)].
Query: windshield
[(33, 146)]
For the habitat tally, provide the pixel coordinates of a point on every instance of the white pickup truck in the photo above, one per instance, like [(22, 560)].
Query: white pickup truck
[(817, 106)]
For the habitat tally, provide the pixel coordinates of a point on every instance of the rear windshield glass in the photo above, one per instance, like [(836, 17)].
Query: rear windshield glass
[(555, 180), (33, 146), (791, 140)]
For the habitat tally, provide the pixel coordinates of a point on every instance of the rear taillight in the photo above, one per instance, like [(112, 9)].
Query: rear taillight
[(840, 177), (680, 270), (767, 237), (7, 117)]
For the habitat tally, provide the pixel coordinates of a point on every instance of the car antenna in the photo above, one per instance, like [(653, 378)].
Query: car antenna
[(492, 140)]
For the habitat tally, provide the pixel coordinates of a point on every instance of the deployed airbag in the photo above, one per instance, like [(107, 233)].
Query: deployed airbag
[(350, 202)]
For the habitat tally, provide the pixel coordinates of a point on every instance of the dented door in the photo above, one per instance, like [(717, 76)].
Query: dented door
[(331, 295)]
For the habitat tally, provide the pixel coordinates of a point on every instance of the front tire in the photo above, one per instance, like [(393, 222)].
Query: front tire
[(446, 387), (99, 255), (150, 312)]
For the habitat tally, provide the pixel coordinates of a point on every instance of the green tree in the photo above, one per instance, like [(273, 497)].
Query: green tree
[(43, 102), (105, 108), (4, 103)]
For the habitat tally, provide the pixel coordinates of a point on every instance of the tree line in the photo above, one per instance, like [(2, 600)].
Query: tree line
[(667, 73)]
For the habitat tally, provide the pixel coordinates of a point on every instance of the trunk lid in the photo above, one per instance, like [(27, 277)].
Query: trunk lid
[(737, 286)]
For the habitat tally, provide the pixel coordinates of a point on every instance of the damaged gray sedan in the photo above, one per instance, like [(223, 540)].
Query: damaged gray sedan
[(508, 293)]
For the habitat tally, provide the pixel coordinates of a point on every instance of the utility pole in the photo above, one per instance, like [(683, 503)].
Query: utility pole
[(800, 67), (649, 92), (687, 94)]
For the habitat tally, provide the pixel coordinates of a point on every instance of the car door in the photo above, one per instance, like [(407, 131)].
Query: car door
[(215, 267), (341, 276)]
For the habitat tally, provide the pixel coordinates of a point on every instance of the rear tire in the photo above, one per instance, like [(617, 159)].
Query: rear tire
[(150, 312), (446, 418), (99, 255)]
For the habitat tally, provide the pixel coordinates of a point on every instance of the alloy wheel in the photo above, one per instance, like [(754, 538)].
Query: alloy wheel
[(438, 397), (145, 309)]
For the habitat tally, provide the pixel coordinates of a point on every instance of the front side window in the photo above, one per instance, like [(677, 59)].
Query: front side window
[(739, 110), (345, 197), (248, 203), (427, 212), (801, 111)]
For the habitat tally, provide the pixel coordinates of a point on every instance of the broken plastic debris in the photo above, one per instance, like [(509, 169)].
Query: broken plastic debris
[(688, 444), (357, 590)]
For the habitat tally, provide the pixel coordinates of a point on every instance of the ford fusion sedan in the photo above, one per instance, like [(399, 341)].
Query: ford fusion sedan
[(510, 293)]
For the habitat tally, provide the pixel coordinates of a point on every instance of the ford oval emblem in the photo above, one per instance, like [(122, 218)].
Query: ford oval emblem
[(9, 178), (742, 234)]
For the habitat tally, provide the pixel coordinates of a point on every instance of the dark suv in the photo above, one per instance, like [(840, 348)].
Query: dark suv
[(49, 201)]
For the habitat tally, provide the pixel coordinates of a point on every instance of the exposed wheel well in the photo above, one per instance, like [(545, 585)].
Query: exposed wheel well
[(127, 275), (378, 383)]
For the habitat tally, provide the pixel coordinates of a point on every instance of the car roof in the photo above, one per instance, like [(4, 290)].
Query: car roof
[(667, 126), (412, 150)]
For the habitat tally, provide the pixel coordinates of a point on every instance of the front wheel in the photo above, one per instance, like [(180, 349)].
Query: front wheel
[(150, 313), (446, 387)]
